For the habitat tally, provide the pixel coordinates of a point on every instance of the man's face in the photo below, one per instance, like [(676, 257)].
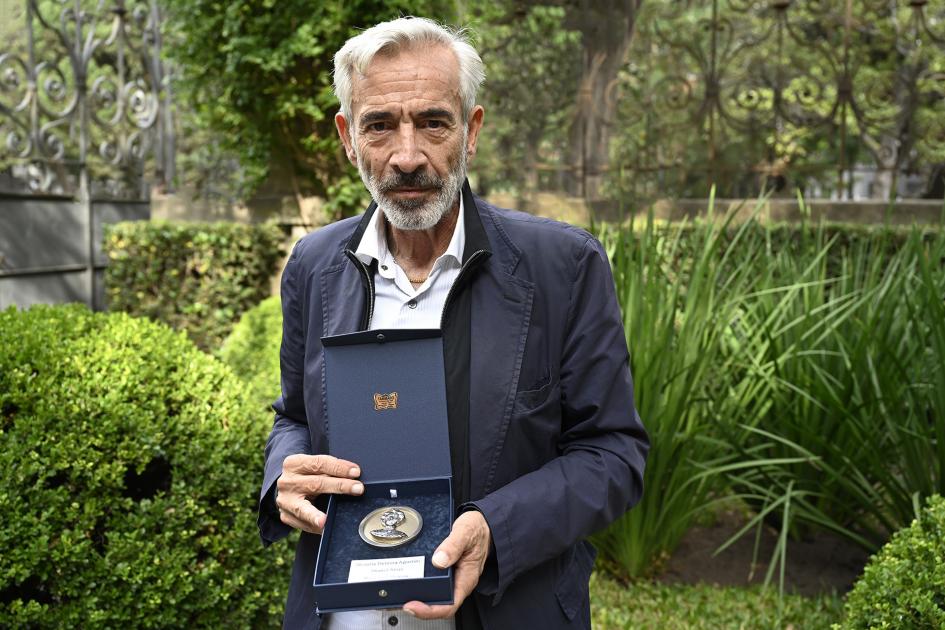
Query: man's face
[(407, 135)]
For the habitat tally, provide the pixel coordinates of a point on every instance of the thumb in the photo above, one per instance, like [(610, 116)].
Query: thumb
[(448, 552)]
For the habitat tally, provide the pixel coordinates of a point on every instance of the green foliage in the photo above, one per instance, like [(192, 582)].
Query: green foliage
[(678, 296), (903, 586), (534, 67), (252, 350), (651, 605), (259, 76), (802, 370), (128, 480), (853, 430), (192, 276)]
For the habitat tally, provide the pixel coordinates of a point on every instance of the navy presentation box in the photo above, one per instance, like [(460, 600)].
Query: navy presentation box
[(385, 394)]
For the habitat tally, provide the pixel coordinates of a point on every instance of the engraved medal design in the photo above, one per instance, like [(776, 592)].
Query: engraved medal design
[(390, 526)]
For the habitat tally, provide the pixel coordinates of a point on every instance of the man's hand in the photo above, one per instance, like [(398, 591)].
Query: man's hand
[(466, 550), (307, 476)]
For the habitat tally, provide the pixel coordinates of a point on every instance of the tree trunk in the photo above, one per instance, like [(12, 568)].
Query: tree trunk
[(607, 30)]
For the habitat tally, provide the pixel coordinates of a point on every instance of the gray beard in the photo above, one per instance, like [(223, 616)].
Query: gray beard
[(416, 214)]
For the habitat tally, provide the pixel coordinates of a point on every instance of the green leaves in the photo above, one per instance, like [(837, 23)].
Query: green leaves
[(258, 76), (252, 350), (128, 468), (800, 368), (903, 586), (194, 277)]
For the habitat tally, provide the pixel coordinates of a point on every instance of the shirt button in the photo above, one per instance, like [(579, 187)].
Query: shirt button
[(392, 620), (384, 267), (411, 304)]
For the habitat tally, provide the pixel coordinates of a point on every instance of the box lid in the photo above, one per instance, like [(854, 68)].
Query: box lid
[(385, 393)]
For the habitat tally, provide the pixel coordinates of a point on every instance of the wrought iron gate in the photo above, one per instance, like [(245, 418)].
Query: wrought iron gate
[(755, 94), (83, 119)]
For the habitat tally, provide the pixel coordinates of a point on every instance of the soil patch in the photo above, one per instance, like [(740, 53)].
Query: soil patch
[(824, 563)]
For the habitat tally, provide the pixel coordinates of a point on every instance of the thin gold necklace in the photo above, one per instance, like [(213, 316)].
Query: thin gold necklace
[(412, 280)]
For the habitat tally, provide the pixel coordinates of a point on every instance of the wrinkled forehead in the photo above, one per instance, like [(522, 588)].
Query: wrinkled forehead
[(428, 72)]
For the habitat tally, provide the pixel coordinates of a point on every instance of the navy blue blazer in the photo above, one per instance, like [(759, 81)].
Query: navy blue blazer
[(556, 449)]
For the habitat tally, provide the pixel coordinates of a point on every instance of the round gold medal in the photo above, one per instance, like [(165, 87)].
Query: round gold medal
[(390, 526)]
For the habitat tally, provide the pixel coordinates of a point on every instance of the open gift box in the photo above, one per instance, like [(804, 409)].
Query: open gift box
[(385, 394)]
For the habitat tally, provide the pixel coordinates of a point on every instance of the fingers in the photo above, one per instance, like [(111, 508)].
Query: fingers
[(308, 476), (449, 550), (300, 514), (321, 465), (425, 611), (312, 475), (465, 549), (314, 485), (469, 537)]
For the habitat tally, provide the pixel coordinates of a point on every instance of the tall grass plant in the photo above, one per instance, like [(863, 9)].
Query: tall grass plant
[(804, 375)]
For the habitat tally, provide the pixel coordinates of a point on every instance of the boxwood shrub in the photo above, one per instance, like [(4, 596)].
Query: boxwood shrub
[(129, 464), (198, 277), (252, 350), (903, 586)]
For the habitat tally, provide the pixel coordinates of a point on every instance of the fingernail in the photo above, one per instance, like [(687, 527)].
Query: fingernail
[(320, 521), (410, 612), (354, 472), (357, 488), (440, 560)]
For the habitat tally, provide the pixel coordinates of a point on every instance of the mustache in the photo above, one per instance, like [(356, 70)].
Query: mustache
[(415, 179)]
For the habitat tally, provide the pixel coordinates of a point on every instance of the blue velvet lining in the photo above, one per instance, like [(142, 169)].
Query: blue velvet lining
[(432, 498)]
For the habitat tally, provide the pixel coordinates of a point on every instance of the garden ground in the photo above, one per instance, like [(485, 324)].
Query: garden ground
[(821, 564), (697, 589)]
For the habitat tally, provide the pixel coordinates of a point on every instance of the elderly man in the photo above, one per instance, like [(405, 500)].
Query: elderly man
[(545, 444)]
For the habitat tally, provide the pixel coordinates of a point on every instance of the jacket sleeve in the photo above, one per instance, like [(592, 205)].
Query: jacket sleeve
[(602, 448), (290, 434)]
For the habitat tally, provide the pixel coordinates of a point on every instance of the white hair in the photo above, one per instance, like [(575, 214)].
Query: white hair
[(399, 34)]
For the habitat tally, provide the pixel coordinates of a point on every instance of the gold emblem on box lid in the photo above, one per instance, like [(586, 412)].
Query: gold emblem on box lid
[(385, 401)]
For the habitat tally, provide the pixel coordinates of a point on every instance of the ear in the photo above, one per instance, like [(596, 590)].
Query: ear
[(473, 127), (344, 132)]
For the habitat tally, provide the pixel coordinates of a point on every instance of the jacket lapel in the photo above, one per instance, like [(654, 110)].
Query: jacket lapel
[(501, 312), (343, 299), (345, 291)]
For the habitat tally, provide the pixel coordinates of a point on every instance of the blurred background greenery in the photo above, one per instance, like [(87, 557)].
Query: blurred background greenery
[(613, 103), (789, 368)]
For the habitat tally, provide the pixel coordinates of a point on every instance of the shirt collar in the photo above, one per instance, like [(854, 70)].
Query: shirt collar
[(373, 245)]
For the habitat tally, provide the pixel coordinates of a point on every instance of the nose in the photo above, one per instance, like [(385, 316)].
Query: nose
[(407, 156)]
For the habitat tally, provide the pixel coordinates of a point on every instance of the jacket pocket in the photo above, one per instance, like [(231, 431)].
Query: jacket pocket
[(531, 398), (572, 587)]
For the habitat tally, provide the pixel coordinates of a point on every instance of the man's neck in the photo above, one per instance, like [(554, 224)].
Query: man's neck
[(420, 248)]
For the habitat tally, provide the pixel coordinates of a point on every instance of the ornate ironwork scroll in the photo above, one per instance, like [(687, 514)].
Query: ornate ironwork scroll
[(754, 94), (80, 98)]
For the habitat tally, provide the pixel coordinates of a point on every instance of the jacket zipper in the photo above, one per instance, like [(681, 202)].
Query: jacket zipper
[(366, 276)]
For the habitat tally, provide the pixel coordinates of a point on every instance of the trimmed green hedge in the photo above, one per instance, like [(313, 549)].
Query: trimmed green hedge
[(903, 586), (129, 466), (198, 277), (252, 350)]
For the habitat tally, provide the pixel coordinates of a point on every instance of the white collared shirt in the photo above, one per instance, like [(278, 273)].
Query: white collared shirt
[(398, 305)]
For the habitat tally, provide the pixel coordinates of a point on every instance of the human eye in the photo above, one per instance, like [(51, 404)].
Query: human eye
[(377, 127)]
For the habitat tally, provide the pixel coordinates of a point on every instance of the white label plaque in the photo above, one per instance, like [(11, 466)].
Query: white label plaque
[(386, 569)]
